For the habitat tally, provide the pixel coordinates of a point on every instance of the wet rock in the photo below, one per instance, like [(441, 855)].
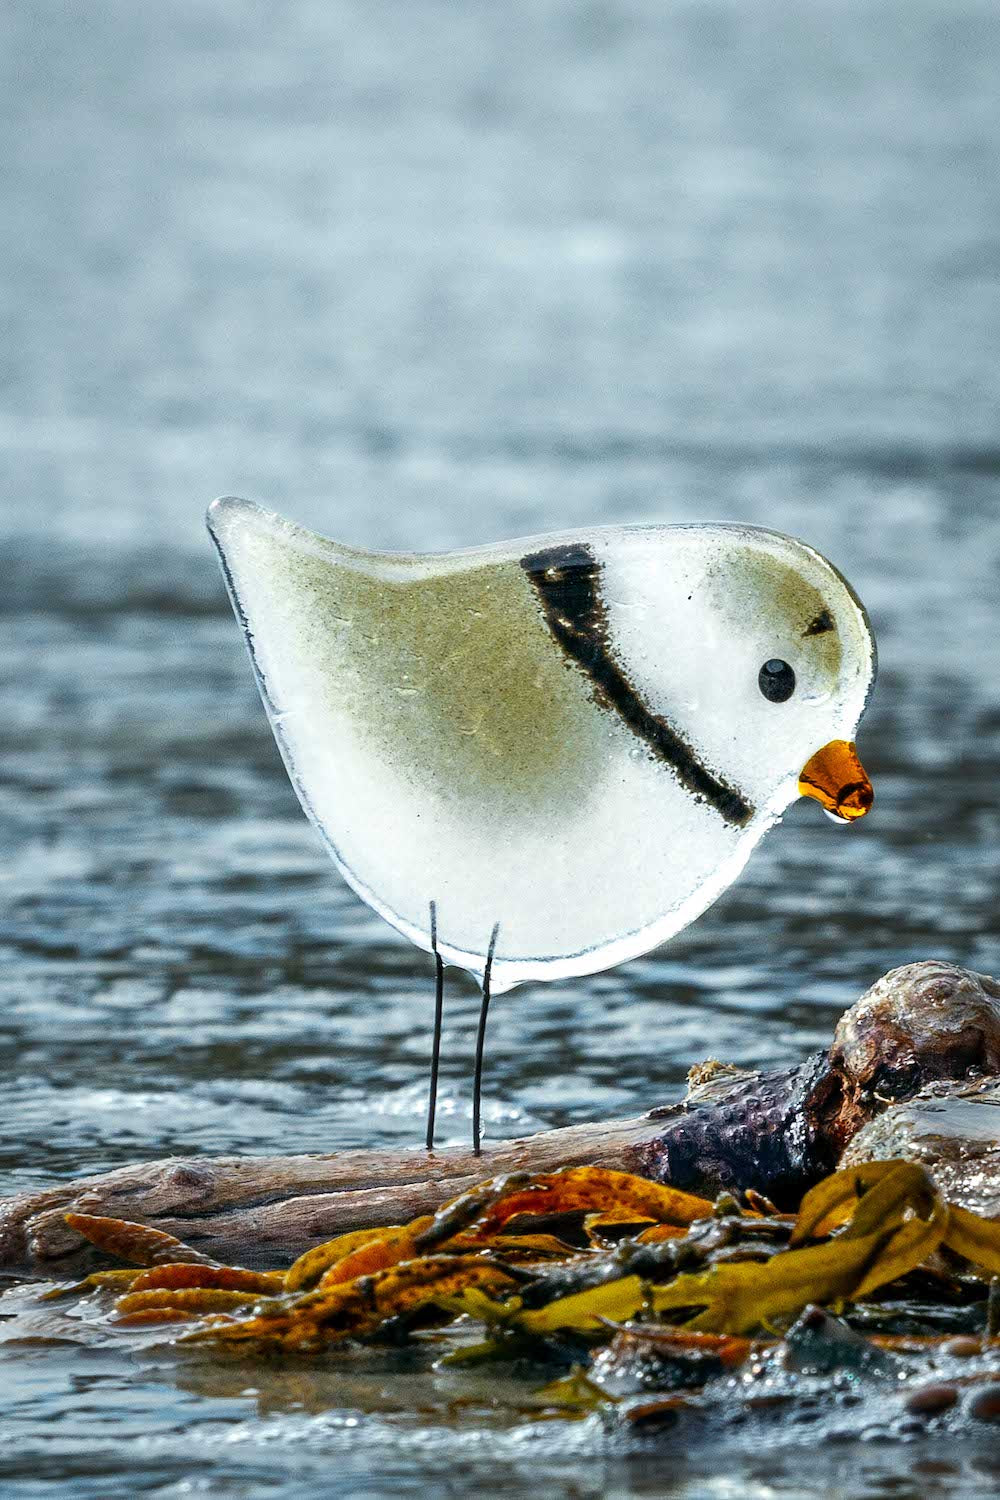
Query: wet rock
[(818, 1344), (929, 1400), (780, 1132), (665, 1359), (770, 1401), (985, 1404), (655, 1415), (963, 1347), (923, 1023), (736, 1130), (952, 1129)]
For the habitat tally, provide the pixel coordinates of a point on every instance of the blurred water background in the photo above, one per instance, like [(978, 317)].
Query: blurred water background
[(424, 274)]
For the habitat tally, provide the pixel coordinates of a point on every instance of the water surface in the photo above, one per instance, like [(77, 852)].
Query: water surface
[(424, 275)]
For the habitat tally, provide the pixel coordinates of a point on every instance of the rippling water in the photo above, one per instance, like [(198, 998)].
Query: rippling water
[(424, 275)]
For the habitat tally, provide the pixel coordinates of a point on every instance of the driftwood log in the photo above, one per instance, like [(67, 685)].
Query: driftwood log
[(778, 1132)]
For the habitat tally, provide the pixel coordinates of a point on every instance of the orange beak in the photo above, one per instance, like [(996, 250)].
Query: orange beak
[(838, 781)]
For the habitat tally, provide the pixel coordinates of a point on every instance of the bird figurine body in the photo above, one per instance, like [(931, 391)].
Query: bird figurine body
[(541, 758)]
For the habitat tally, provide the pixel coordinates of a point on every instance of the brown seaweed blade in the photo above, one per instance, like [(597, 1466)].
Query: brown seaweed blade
[(389, 1249), (616, 1196), (209, 1278), (153, 1317), (358, 1308), (188, 1301), (116, 1280), (310, 1267), (182, 1275), (136, 1242)]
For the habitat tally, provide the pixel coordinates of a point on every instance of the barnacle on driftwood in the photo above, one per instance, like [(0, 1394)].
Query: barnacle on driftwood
[(685, 1264)]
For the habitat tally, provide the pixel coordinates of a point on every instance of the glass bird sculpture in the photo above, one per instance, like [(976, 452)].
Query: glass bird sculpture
[(541, 758)]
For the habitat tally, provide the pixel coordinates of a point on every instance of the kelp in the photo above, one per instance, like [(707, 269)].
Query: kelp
[(310, 1268), (136, 1242), (686, 1268), (358, 1308), (612, 1197)]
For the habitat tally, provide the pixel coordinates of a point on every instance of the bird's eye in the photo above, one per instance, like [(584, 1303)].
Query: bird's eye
[(776, 681)]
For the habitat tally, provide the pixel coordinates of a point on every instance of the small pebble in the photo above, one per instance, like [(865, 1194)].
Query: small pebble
[(662, 1413), (770, 1401), (985, 1404), (962, 1347), (930, 1399)]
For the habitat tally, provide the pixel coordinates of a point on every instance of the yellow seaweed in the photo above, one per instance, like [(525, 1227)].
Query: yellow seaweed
[(358, 1308), (91, 1283), (387, 1249), (306, 1272), (856, 1231), (586, 1311), (576, 1392), (600, 1190), (219, 1278), (192, 1300), (834, 1200), (975, 1238)]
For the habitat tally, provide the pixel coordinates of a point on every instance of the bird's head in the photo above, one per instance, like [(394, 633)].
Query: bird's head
[(765, 661)]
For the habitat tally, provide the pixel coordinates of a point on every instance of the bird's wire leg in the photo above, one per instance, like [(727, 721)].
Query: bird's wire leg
[(477, 1082), (438, 1015)]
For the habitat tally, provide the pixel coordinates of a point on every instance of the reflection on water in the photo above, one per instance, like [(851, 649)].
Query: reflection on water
[(614, 262)]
